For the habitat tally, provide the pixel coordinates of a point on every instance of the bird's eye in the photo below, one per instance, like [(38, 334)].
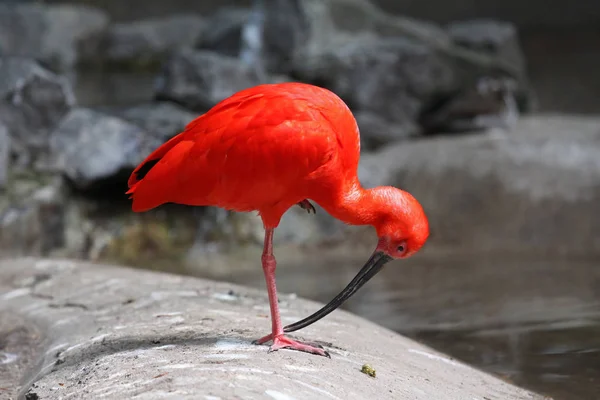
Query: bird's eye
[(401, 249)]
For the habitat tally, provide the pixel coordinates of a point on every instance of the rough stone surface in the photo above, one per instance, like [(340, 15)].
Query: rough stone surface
[(331, 19), (393, 77), (376, 131), (324, 21), (32, 102), (58, 35), (32, 220), (198, 79), (118, 333), (162, 119), (223, 31), (146, 42), (499, 40), (89, 146), (522, 189), (496, 38), (490, 102)]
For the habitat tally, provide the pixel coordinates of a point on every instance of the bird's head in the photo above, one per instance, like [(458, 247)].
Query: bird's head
[(402, 228)]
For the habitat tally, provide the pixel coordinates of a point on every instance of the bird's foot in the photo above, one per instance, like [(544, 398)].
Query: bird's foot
[(307, 205), (284, 342)]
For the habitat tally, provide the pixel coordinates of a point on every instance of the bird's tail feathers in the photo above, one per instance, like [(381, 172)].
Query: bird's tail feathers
[(153, 181)]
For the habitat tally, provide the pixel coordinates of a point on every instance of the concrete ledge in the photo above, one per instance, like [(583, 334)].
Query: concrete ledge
[(85, 331)]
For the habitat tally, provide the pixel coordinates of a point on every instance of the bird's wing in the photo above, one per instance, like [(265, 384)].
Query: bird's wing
[(257, 153)]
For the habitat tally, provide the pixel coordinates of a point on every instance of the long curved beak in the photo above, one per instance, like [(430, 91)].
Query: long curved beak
[(369, 270)]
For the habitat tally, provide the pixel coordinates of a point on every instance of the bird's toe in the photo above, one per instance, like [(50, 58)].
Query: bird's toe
[(283, 342)]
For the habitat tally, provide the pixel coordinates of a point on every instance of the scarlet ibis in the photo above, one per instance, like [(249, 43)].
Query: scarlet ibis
[(271, 147)]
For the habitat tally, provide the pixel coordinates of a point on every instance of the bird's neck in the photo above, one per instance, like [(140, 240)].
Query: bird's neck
[(353, 205)]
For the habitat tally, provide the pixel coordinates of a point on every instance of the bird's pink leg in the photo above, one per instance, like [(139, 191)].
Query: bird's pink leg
[(280, 341)]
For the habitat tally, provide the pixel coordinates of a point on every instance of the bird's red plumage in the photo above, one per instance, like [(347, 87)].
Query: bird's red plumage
[(265, 148)]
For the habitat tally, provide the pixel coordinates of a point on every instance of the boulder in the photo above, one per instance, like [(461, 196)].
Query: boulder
[(90, 147), (223, 31), (518, 190), (32, 216), (376, 131), (59, 35), (198, 79), (497, 38), (144, 43), (32, 102), (294, 29), (160, 119), (105, 331), (489, 103)]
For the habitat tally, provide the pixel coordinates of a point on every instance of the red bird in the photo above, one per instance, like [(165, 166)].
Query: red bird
[(266, 149)]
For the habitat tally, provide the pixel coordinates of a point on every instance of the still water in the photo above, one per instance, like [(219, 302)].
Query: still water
[(532, 320)]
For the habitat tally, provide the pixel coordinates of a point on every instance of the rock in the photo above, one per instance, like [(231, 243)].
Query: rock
[(142, 44), (58, 35), (223, 31), (32, 102), (32, 222), (4, 155), (89, 147), (376, 132), (392, 78), (491, 103), (285, 29), (116, 332), (322, 23), (496, 38), (161, 119), (295, 29), (499, 40), (517, 190), (198, 79)]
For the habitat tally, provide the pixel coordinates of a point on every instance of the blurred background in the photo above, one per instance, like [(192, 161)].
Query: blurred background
[(487, 111)]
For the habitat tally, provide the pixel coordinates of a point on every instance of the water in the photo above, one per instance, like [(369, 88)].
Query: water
[(533, 320)]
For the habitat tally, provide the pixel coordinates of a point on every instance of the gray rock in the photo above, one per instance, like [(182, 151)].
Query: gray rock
[(161, 119), (32, 102), (285, 29), (198, 79), (376, 132), (89, 146), (145, 43), (32, 220), (118, 332), (500, 40), (518, 190), (390, 77), (490, 103), (58, 35), (4, 155), (295, 29), (223, 31), (496, 38)]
